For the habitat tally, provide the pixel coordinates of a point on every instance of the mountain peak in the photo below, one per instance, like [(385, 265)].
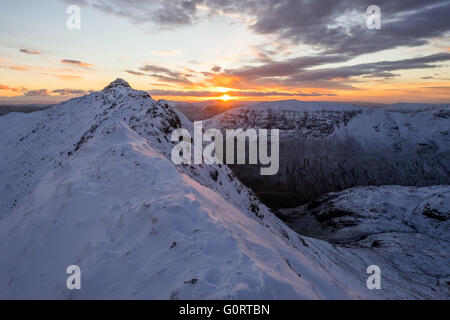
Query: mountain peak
[(116, 84)]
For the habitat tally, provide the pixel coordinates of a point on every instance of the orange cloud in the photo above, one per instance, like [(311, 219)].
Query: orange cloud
[(223, 80), (63, 76), (6, 88), (10, 65), (19, 68), (77, 63)]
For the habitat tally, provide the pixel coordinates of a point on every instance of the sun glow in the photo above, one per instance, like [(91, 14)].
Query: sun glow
[(225, 97)]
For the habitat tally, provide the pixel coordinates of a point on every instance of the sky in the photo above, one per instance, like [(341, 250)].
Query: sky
[(194, 50)]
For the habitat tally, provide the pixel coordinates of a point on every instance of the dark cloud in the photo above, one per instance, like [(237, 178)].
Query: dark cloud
[(158, 69), (333, 26), (136, 73), (293, 72), (382, 74), (159, 12), (284, 68), (77, 63), (216, 69), (177, 93), (29, 51), (66, 92), (58, 92), (340, 26), (279, 94), (374, 69), (37, 93), (165, 75)]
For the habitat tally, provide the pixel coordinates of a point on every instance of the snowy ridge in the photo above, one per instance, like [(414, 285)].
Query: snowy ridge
[(297, 105), (415, 107), (89, 182)]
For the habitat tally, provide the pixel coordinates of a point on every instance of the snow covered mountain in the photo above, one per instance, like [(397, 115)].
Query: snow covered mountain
[(327, 147), (407, 228), (90, 182)]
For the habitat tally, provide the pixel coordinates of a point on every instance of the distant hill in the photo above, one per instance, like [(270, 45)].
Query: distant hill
[(25, 108)]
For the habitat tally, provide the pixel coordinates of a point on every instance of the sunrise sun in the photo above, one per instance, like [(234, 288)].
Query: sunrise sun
[(225, 97)]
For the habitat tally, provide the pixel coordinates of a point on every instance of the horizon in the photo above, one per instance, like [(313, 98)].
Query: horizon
[(208, 51), (217, 100)]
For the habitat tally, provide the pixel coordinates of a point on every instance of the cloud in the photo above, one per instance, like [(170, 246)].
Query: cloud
[(6, 88), (332, 26), (63, 76), (284, 68), (216, 69), (19, 68), (56, 92), (136, 73), (66, 92), (192, 93), (376, 68), (447, 89), (158, 69), (37, 93), (163, 78), (29, 51), (165, 74), (77, 63), (295, 71), (382, 74), (339, 26), (159, 12), (241, 94), (280, 94)]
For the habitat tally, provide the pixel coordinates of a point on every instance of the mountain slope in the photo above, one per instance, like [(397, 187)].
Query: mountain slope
[(326, 147), (405, 227), (90, 182)]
